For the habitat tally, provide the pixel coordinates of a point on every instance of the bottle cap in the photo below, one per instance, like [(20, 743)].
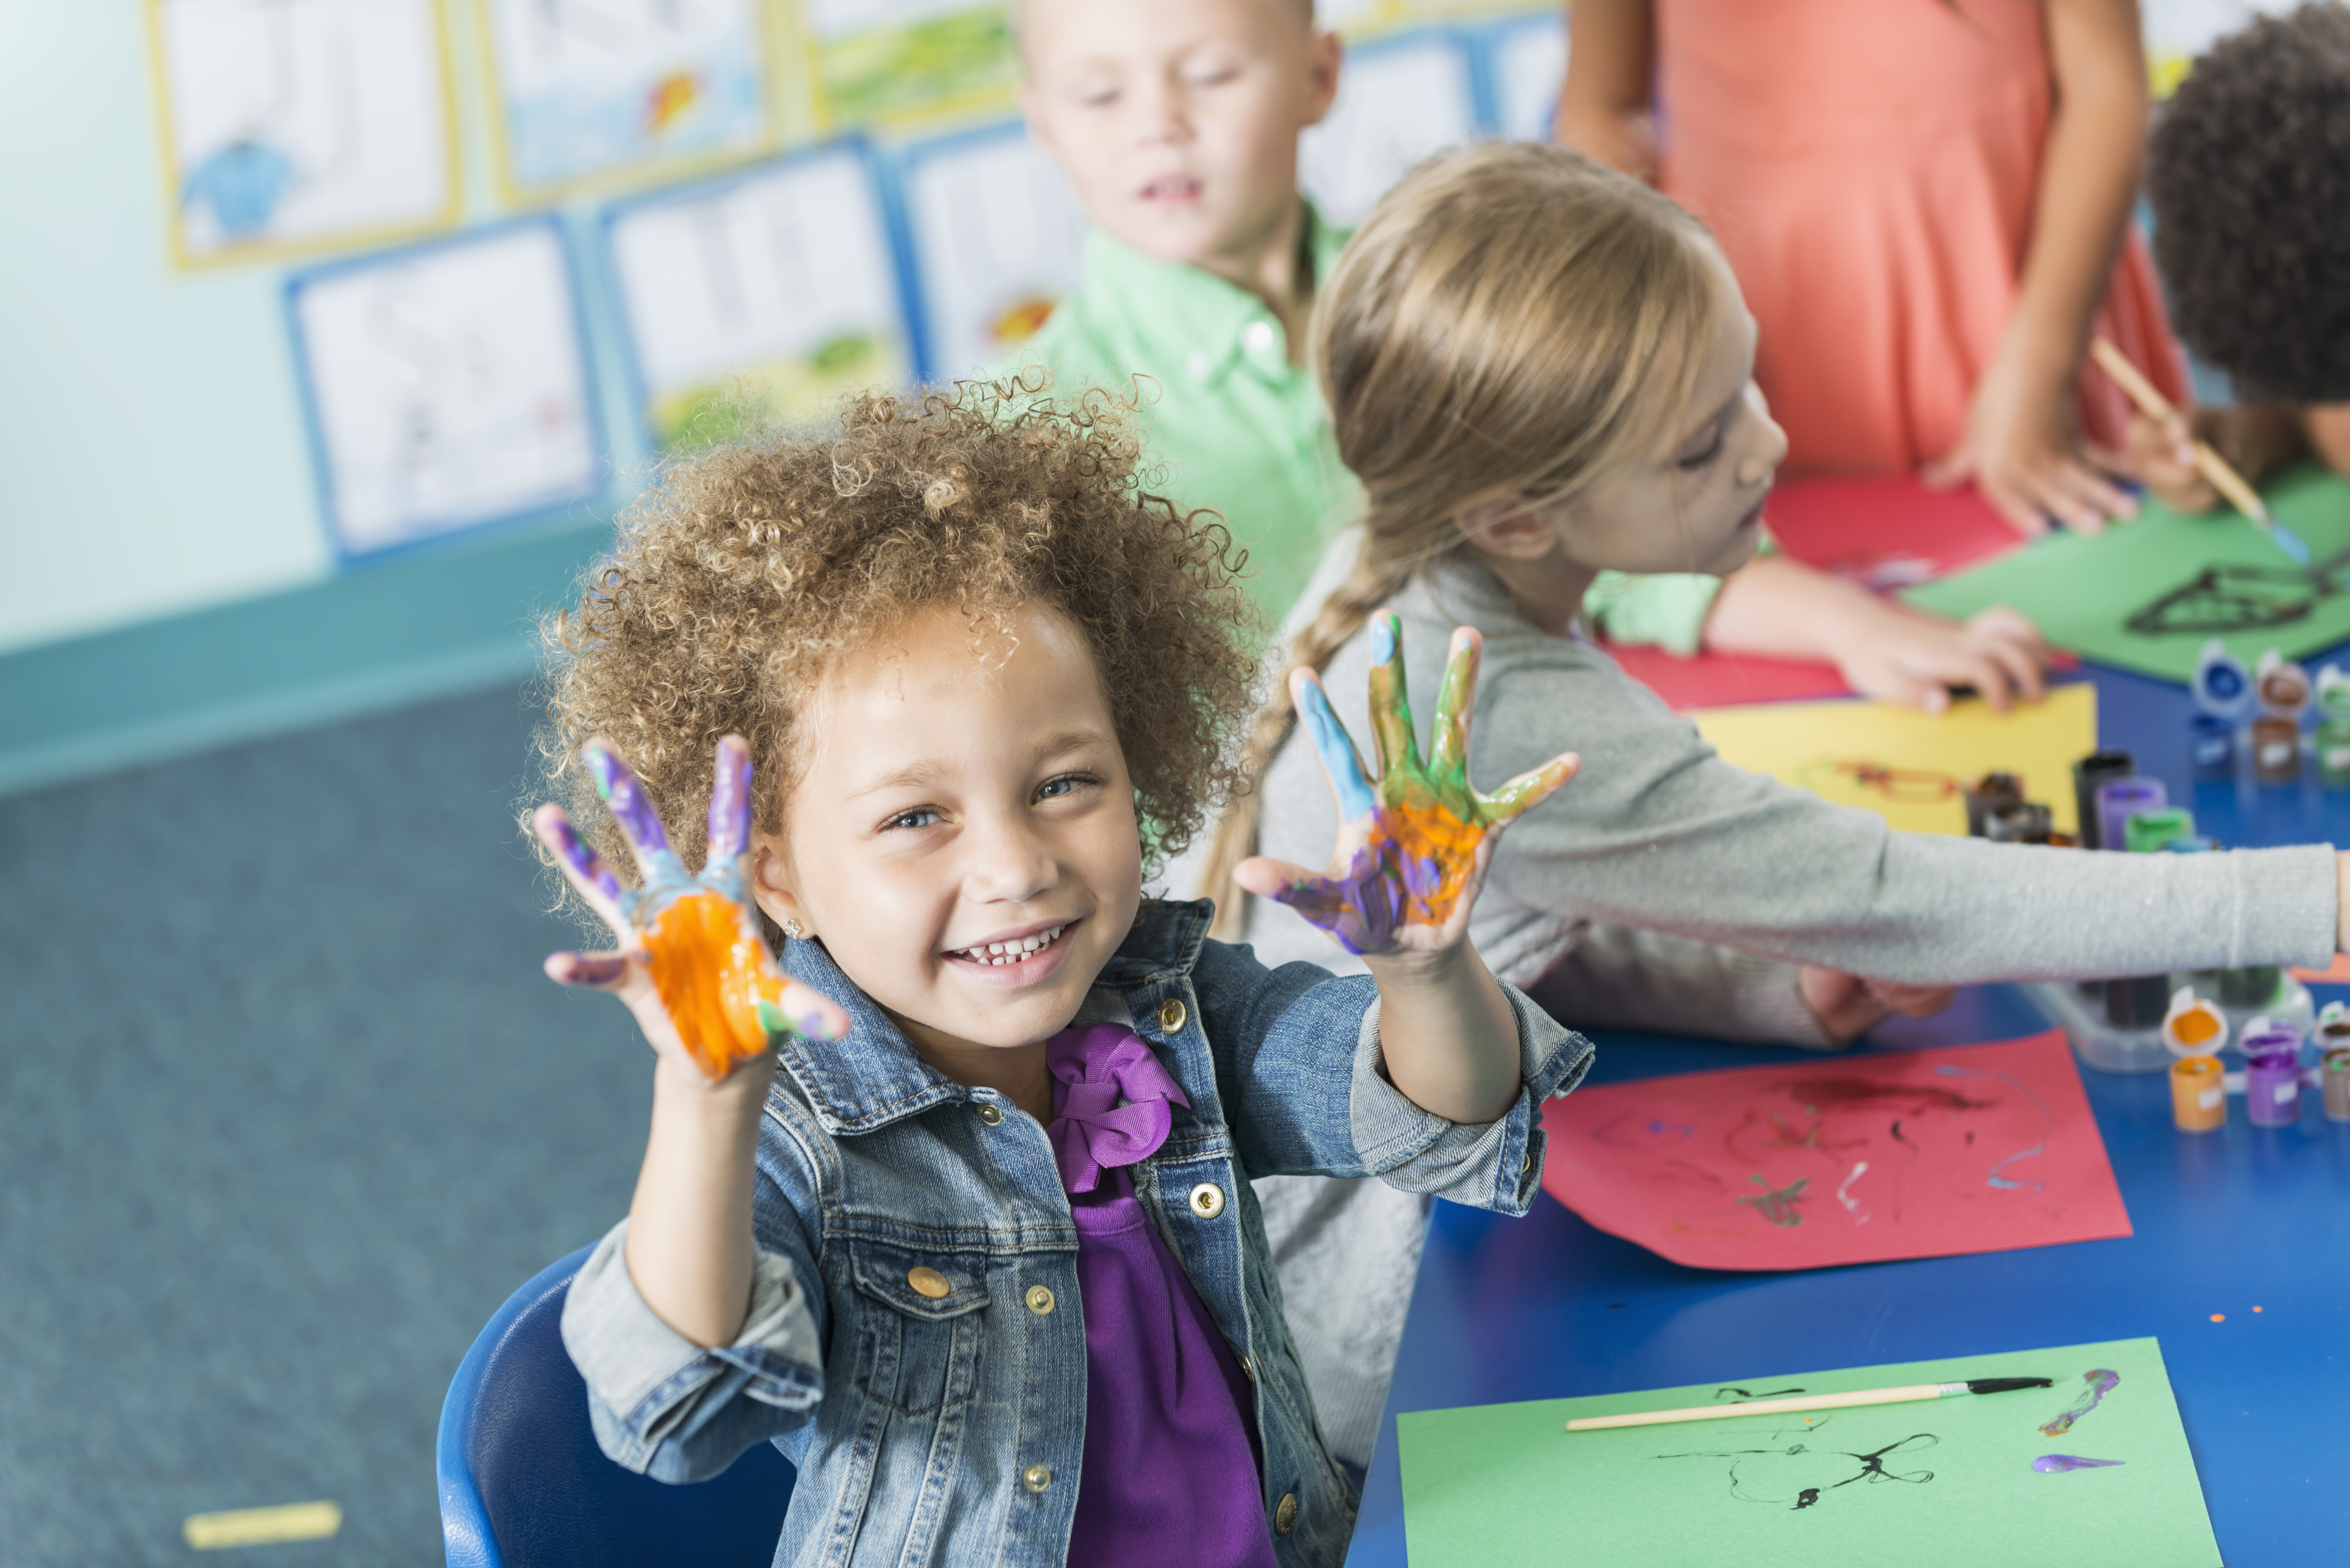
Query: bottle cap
[(2222, 686), (2283, 686), (2193, 1027), (2333, 694)]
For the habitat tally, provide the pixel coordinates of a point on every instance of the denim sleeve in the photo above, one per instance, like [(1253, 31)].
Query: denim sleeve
[(1287, 1039), (663, 1405)]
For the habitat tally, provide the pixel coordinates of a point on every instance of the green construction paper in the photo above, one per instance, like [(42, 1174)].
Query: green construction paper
[(1508, 1483), (2081, 591)]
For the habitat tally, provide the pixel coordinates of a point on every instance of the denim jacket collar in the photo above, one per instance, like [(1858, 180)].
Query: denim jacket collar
[(874, 1077)]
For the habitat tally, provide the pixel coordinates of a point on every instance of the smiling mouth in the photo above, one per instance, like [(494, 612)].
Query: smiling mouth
[(995, 955), (1171, 188)]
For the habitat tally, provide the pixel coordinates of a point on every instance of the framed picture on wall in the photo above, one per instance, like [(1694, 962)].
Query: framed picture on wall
[(998, 240), (1526, 62), (446, 386), (1399, 100), (761, 296), (595, 92), (297, 125), (892, 61)]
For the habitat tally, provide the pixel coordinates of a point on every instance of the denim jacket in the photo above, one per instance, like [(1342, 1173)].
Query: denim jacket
[(933, 1426)]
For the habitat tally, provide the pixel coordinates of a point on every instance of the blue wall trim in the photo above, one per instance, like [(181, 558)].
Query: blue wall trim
[(406, 631)]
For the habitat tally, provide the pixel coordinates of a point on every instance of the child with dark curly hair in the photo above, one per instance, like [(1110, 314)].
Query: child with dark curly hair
[(2250, 188), (954, 1206)]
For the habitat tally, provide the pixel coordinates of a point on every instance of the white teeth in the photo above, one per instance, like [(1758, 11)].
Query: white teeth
[(998, 953)]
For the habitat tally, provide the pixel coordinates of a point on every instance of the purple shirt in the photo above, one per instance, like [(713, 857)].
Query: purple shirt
[(1170, 1434)]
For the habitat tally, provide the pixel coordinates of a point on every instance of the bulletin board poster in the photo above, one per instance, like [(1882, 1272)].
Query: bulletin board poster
[(1528, 63), (1399, 100), (893, 61), (446, 386), (591, 93), (760, 298), (297, 125), (998, 241)]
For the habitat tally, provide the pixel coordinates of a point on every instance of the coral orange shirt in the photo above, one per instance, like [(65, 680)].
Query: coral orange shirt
[(1870, 168)]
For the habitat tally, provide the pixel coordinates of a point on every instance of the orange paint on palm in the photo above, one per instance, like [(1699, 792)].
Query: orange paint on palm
[(1438, 851), (711, 974)]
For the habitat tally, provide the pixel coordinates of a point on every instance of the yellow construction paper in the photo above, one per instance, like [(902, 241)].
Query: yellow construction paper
[(263, 1526), (1912, 768)]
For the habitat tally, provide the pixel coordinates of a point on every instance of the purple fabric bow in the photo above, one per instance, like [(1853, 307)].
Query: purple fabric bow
[(1093, 1068)]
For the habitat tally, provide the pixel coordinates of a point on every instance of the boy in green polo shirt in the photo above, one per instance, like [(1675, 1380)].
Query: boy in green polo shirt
[(1177, 121)]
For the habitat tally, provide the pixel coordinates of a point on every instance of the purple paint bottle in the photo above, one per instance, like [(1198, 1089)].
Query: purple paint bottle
[(2119, 801), (2272, 1073)]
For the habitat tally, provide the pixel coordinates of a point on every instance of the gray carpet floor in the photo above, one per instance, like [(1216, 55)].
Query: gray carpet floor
[(287, 1109)]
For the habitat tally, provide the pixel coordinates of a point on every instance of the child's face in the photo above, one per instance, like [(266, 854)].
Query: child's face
[(1694, 503), (1177, 121), (949, 805)]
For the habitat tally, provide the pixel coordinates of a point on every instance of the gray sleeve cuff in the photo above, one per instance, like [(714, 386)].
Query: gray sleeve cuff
[(1621, 978), (2287, 901), (1496, 1165), (661, 1403)]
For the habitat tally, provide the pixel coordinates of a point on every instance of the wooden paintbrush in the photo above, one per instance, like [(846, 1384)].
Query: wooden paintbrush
[(2215, 468), (1901, 1396)]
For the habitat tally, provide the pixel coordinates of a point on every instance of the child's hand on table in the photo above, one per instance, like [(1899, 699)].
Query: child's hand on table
[(1900, 656), (2256, 440), (1849, 1006), (2020, 451), (689, 962), (1411, 854)]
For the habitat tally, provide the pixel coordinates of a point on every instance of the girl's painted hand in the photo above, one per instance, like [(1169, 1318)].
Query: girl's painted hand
[(1900, 656), (691, 963), (1413, 848), (2020, 449)]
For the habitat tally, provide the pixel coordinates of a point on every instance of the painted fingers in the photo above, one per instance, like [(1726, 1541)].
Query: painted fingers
[(1334, 747), (623, 794)]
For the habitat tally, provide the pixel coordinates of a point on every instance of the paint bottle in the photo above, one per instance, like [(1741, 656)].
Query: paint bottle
[(2333, 728), (2253, 987), (2272, 1073), (1989, 795), (2282, 686), (2276, 750), (2091, 772), (2192, 1026), (2150, 830), (2028, 822), (2122, 799), (2222, 690), (2332, 1037), (2198, 1094)]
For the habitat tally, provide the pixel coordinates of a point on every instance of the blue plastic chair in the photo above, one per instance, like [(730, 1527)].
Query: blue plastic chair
[(522, 1484)]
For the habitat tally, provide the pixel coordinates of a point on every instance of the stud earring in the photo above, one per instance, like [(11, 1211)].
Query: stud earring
[(792, 930)]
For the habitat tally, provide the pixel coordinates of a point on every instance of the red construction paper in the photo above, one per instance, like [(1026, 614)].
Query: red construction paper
[(2335, 973), (1717, 679), (1858, 1159), (1886, 534)]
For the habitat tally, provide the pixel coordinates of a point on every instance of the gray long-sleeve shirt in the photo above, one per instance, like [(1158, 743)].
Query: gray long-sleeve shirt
[(1656, 833)]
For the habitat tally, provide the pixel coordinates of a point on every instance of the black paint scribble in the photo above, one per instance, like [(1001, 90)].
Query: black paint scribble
[(1766, 1394), (2235, 598), (1796, 1476)]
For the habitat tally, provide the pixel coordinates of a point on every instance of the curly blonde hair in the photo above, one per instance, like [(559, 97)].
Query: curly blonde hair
[(744, 573)]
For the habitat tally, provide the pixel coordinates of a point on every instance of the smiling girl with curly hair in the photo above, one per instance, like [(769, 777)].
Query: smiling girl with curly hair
[(954, 1206)]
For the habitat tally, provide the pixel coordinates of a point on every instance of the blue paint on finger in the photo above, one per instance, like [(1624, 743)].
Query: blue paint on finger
[(1356, 798), (730, 804), (1383, 639)]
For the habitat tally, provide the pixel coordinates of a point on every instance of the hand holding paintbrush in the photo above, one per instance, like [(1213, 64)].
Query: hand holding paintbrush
[(2223, 475)]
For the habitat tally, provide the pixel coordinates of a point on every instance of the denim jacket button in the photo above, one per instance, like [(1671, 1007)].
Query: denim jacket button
[(1172, 1014), (991, 1115), (1039, 1300), (1036, 1478), (928, 1281), (1285, 1515), (1248, 1369), (1207, 1198)]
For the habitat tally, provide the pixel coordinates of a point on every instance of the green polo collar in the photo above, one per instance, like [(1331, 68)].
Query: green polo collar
[(1186, 318)]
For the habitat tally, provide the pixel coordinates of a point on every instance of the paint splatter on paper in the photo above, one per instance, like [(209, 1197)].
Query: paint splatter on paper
[(2054, 1464), (2099, 1382), (1896, 1154)]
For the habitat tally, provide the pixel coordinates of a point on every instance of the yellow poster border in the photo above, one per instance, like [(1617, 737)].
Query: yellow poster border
[(450, 214)]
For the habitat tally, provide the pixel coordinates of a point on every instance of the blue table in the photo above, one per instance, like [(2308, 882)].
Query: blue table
[(1546, 1306)]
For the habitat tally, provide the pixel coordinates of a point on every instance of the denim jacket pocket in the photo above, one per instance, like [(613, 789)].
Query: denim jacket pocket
[(920, 1353)]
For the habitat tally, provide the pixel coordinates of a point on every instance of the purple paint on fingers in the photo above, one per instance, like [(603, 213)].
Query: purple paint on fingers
[(581, 857), (592, 968), (2052, 1464), (618, 789), (730, 804), (1362, 910)]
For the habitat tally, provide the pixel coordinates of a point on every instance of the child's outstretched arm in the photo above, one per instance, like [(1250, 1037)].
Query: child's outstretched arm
[(1412, 852), (691, 965), (2019, 445), (1607, 107)]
